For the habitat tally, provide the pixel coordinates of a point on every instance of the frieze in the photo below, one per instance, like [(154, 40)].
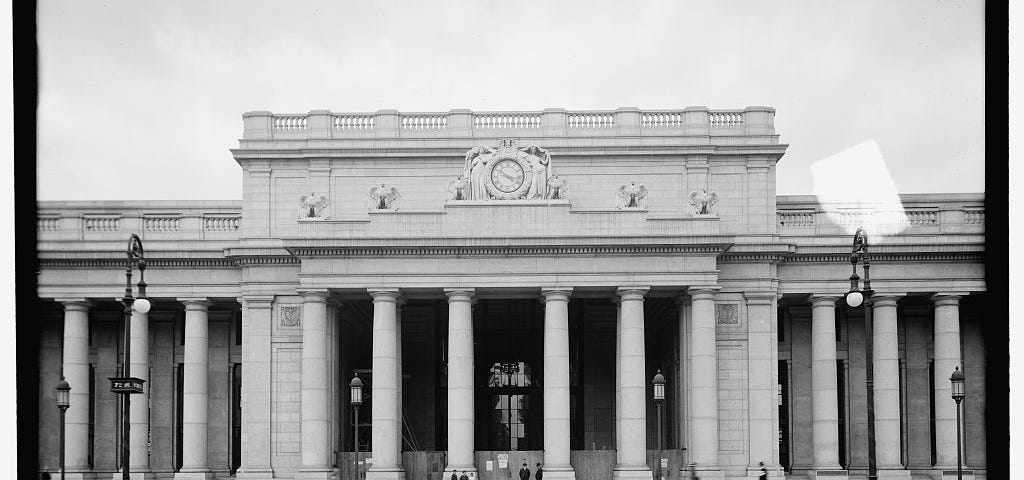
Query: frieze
[(709, 249)]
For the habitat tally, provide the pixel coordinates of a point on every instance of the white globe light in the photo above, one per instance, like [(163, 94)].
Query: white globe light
[(854, 299), (141, 305)]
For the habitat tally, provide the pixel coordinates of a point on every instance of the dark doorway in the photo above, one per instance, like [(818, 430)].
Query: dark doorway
[(508, 344)]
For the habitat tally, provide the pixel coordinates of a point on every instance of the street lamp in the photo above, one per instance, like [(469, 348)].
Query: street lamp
[(855, 298), (63, 402), (659, 397), (957, 392), (356, 386), (127, 385)]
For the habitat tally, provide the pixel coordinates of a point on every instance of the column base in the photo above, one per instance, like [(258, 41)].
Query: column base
[(776, 472), (629, 473), (829, 474), (71, 475), (133, 475), (893, 474), (322, 473), (950, 473), (382, 474), (254, 473), (187, 474), (565, 473), (707, 473)]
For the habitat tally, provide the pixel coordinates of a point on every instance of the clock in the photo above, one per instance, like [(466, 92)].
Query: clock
[(507, 175)]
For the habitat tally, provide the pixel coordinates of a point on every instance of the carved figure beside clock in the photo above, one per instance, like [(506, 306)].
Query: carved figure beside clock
[(506, 173)]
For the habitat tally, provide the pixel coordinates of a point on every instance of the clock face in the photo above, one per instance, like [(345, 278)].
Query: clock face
[(507, 175)]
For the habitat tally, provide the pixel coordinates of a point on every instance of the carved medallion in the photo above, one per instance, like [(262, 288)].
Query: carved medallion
[(290, 316), (727, 314)]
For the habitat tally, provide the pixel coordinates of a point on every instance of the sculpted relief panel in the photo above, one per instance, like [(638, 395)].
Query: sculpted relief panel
[(507, 173)]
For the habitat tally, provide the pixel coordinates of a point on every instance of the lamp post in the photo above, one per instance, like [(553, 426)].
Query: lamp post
[(659, 397), (957, 392), (127, 385), (356, 387), (854, 298), (63, 402)]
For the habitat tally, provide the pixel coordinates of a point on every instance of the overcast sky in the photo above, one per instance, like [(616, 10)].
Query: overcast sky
[(143, 99)]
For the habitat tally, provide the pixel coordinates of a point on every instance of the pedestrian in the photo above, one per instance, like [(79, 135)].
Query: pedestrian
[(463, 476), (539, 474), (693, 471), (524, 473), (764, 473), (455, 475)]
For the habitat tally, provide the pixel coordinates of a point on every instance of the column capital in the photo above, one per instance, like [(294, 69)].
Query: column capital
[(195, 303), (319, 295), (945, 299), (823, 300), (257, 301), (760, 297), (703, 292), (884, 300), (384, 294), (631, 293), (460, 294), (556, 294), (76, 304)]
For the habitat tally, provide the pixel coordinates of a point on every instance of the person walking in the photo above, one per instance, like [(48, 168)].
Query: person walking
[(539, 474), (524, 473), (693, 471), (764, 473)]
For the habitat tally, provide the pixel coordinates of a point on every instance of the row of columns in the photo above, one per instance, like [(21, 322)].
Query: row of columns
[(630, 380), (195, 464), (885, 363)]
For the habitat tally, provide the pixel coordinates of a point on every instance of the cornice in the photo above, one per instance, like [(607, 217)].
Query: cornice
[(504, 250), (152, 263), (887, 257)]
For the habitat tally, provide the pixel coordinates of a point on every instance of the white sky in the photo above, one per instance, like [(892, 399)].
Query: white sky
[(143, 99)]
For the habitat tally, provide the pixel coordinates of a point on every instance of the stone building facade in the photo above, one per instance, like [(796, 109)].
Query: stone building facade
[(507, 284)]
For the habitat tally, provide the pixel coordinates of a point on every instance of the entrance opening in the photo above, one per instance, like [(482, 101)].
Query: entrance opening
[(508, 344)]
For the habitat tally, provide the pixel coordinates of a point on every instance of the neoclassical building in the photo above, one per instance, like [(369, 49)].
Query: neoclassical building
[(506, 285)]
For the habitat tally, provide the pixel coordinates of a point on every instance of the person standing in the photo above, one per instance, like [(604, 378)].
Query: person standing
[(455, 475), (463, 477), (764, 473), (539, 474), (524, 473)]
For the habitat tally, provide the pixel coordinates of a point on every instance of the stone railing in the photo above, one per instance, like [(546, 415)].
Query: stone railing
[(323, 124), (925, 213), (192, 220)]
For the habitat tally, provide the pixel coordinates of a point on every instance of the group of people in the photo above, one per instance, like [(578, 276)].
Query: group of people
[(524, 473)]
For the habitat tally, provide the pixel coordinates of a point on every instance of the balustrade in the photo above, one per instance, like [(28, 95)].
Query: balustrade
[(353, 122), (590, 120), (923, 217), (437, 121), (290, 123), (974, 216), (161, 224), (661, 119), (102, 224), (725, 119), (51, 224), (221, 224), (506, 121)]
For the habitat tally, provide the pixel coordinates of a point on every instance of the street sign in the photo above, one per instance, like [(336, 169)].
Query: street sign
[(126, 385)]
